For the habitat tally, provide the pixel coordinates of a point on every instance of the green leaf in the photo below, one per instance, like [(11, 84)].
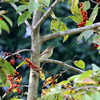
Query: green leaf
[(77, 15), (74, 3), (4, 26), (0, 30), (3, 75), (96, 39), (23, 2), (21, 64), (86, 74), (64, 82), (79, 63), (32, 6), (88, 23), (8, 20), (73, 77), (87, 34), (95, 67), (86, 5), (86, 97), (6, 65), (54, 92), (21, 8), (0, 98), (95, 96), (45, 2), (94, 14), (23, 17), (80, 37), (74, 9), (69, 1), (75, 19), (60, 97)]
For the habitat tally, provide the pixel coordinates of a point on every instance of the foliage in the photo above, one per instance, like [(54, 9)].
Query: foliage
[(82, 86)]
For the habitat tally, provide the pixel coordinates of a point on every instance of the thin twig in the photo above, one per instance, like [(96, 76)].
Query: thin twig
[(62, 64), (85, 87), (19, 51), (26, 22), (93, 1), (46, 14)]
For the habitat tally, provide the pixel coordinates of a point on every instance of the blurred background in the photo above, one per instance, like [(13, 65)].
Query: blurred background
[(19, 38)]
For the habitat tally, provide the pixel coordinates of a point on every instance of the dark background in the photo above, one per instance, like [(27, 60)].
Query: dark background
[(63, 51)]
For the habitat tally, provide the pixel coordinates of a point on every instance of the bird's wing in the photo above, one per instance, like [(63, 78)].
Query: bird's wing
[(44, 52)]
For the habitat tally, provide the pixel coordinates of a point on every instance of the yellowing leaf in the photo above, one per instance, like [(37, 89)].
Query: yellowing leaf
[(42, 76), (79, 63), (50, 80), (47, 81), (54, 26), (75, 2), (57, 26), (21, 64), (3, 75), (14, 90), (15, 98), (86, 81)]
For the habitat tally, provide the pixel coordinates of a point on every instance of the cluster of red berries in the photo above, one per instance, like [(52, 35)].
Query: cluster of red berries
[(12, 60), (32, 65), (20, 58), (97, 0), (84, 16), (94, 46), (14, 82)]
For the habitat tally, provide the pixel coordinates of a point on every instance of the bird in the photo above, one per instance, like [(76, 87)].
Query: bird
[(47, 52)]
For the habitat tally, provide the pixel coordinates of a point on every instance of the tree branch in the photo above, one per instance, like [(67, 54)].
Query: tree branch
[(17, 52), (46, 14), (26, 22), (62, 64), (69, 32)]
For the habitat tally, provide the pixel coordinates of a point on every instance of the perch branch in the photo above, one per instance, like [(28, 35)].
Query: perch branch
[(46, 14), (62, 64), (69, 32)]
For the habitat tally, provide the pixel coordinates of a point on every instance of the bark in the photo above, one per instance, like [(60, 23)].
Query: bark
[(35, 46)]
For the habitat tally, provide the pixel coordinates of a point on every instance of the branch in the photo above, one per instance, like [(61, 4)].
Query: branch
[(69, 32), (26, 22), (46, 14), (94, 1), (62, 64), (19, 51)]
